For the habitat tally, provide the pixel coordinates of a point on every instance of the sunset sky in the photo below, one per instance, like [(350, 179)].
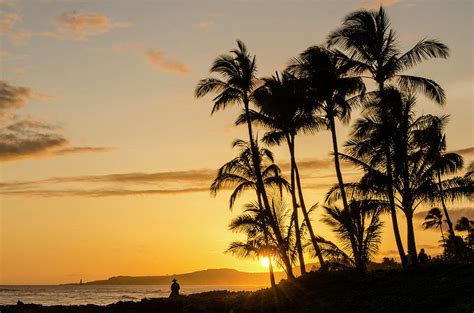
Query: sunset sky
[(106, 158)]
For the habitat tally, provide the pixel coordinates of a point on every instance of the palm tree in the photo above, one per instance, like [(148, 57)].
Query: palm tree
[(258, 244), (280, 101), (238, 70), (434, 219), (260, 241), (371, 45), (330, 82), (239, 173), (360, 220), (446, 163)]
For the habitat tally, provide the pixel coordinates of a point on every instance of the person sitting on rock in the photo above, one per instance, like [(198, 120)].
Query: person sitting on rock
[(422, 257), (174, 288)]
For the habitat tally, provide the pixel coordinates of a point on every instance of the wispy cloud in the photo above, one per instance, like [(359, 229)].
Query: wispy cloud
[(97, 193), (205, 24), (166, 64), (125, 184), (158, 59), (80, 26), (9, 28), (8, 20)]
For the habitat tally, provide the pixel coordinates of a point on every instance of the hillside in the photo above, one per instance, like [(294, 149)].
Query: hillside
[(204, 277)]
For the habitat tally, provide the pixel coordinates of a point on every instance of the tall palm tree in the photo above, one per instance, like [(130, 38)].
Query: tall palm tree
[(371, 44), (362, 219), (239, 173), (280, 101), (330, 85), (238, 71), (434, 219)]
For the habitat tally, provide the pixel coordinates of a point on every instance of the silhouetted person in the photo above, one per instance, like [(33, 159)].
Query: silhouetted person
[(422, 256), (174, 288)]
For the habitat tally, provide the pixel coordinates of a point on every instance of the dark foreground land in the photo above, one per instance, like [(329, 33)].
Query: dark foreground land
[(431, 288)]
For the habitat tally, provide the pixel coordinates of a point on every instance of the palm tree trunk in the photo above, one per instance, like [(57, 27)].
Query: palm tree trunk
[(390, 191), (459, 255), (442, 233), (299, 248), (332, 127), (411, 238), (314, 241), (393, 212), (270, 270), (261, 187)]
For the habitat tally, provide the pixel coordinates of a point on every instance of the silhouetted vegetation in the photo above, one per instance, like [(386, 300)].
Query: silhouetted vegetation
[(389, 291), (402, 155)]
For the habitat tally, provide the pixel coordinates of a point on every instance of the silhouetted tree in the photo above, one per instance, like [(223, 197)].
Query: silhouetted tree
[(434, 219), (362, 219), (371, 45), (238, 71), (239, 173), (280, 101)]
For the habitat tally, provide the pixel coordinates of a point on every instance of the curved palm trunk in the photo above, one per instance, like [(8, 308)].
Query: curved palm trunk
[(305, 214), (355, 251), (459, 255), (393, 212), (261, 187), (299, 248)]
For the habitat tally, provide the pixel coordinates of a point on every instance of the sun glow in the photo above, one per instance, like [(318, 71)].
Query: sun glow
[(265, 262)]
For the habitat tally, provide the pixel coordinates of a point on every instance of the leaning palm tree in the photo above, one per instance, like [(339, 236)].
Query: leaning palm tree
[(333, 91), (239, 173), (238, 71), (434, 219), (280, 101), (372, 46), (360, 220)]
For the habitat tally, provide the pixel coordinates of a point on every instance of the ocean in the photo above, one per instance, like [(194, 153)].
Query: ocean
[(89, 294)]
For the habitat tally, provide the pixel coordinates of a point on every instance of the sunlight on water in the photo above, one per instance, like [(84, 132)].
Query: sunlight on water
[(62, 295)]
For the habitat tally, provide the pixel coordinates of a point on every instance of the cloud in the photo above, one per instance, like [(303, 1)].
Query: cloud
[(74, 150), (96, 193), (13, 96), (375, 4), (166, 64), (26, 138), (19, 37), (170, 182), (80, 26), (465, 151), (8, 21), (155, 57), (204, 24)]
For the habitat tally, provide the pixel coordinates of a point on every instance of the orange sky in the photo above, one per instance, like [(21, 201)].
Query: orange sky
[(117, 182)]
